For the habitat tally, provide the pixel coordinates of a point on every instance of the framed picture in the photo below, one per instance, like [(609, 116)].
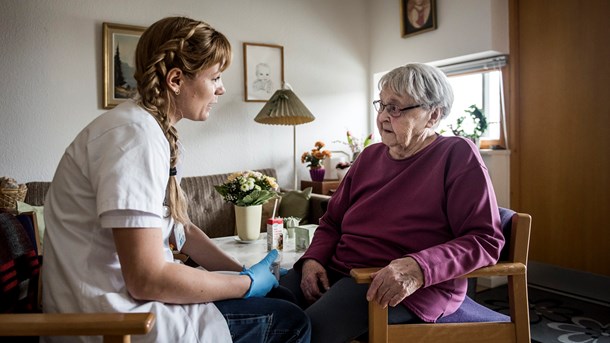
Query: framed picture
[(120, 43), (263, 70), (417, 16)]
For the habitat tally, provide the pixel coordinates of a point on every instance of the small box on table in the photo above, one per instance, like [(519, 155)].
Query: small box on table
[(303, 234)]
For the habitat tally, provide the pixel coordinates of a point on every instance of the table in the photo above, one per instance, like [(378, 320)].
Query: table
[(321, 187), (252, 253)]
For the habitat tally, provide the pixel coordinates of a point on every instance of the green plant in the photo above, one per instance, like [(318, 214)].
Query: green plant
[(355, 144), (473, 130), (248, 188)]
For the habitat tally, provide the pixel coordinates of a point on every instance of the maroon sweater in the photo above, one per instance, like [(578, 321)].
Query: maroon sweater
[(437, 206)]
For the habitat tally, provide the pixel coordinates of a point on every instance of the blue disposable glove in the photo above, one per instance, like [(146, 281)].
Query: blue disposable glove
[(262, 277)]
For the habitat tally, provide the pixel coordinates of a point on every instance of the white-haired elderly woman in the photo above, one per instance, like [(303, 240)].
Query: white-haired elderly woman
[(419, 204)]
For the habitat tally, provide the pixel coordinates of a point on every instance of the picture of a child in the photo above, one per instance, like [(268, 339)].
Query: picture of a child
[(263, 82)]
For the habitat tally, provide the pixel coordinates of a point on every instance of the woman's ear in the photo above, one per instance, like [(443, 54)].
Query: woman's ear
[(174, 80), (435, 117)]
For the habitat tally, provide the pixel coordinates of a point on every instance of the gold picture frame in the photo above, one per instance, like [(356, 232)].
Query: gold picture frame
[(120, 43), (417, 16), (263, 71)]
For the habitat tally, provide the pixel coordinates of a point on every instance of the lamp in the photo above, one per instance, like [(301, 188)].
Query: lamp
[(285, 108)]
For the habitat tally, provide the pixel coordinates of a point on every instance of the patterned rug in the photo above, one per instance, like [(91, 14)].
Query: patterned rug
[(555, 317)]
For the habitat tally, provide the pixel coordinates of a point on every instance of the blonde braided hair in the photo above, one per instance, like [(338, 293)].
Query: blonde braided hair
[(186, 44)]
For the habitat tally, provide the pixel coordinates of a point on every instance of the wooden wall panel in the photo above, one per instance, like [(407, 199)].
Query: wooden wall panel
[(563, 116)]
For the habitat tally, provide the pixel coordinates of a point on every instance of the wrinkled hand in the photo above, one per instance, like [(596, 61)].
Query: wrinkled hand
[(313, 278), (395, 282), (262, 277)]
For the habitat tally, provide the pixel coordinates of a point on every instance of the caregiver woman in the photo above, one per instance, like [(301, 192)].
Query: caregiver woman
[(115, 204)]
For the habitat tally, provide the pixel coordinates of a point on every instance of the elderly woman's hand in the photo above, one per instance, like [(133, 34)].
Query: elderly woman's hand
[(395, 282), (313, 277)]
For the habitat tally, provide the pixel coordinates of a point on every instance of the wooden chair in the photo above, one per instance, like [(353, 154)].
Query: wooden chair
[(114, 327), (516, 330)]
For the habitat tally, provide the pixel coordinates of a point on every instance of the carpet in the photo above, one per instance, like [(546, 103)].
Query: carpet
[(555, 317)]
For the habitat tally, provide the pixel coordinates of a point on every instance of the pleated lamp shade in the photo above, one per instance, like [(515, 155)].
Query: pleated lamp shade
[(284, 108)]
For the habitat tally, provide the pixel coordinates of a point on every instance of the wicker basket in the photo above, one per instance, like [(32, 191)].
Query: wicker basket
[(10, 196)]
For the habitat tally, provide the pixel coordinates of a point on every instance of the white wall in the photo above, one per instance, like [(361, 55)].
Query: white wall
[(464, 27), (51, 53)]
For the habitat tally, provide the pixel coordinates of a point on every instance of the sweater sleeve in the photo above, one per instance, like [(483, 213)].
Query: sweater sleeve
[(473, 217)]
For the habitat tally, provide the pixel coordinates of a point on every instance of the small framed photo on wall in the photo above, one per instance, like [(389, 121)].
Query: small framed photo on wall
[(120, 43), (263, 71), (417, 16)]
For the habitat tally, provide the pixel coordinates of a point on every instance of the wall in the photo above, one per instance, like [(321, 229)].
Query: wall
[(51, 54), (52, 75), (465, 27)]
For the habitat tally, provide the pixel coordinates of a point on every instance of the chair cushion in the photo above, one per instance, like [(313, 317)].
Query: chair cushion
[(471, 312), (296, 204)]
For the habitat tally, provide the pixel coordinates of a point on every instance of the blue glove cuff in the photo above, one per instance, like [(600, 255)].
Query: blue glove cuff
[(246, 271)]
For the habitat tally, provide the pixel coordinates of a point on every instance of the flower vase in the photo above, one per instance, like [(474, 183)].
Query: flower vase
[(317, 174), (341, 173), (248, 222)]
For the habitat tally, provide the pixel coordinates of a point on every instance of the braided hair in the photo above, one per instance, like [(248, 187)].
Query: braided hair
[(186, 44)]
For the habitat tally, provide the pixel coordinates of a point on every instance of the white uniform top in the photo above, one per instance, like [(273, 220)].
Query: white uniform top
[(118, 162)]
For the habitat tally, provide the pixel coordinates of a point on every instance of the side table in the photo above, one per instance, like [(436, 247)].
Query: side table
[(249, 254), (321, 187)]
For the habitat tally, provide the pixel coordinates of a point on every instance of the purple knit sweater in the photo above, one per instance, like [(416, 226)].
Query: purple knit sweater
[(437, 206)]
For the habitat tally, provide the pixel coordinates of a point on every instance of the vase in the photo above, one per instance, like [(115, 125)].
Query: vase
[(341, 173), (317, 174), (248, 222)]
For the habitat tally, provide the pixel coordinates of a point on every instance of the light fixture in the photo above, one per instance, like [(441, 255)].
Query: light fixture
[(285, 108)]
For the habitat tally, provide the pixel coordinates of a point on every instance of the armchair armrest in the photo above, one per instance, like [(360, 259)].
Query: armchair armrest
[(363, 275), (115, 327)]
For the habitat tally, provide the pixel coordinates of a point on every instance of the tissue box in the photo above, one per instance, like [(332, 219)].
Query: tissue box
[(303, 235)]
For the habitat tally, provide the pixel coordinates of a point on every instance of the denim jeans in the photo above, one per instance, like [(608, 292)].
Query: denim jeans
[(266, 320)]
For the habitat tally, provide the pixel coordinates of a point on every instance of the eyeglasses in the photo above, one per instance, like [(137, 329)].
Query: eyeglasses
[(392, 110)]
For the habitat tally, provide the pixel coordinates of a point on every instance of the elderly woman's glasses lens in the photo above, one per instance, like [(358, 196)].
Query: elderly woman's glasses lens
[(392, 110)]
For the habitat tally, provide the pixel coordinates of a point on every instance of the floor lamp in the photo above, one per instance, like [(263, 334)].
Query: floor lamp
[(285, 108)]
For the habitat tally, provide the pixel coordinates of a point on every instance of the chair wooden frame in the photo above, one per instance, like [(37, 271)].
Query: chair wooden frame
[(114, 327), (517, 330)]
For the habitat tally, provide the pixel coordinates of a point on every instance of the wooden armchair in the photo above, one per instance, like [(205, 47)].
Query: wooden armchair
[(20, 261), (515, 330)]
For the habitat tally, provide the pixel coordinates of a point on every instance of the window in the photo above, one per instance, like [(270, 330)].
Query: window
[(479, 83)]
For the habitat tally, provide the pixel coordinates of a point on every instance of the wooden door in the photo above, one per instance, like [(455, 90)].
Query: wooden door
[(561, 114)]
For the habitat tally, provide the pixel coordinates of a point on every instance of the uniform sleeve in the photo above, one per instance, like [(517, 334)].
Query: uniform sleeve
[(130, 168)]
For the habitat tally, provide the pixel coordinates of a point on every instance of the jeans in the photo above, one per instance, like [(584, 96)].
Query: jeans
[(273, 319), (341, 314)]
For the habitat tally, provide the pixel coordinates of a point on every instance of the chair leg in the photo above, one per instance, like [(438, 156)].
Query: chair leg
[(378, 323), (519, 305)]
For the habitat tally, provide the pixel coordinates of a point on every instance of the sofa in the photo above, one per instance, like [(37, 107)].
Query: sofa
[(207, 209)]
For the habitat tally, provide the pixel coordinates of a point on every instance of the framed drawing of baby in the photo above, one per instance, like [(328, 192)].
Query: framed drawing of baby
[(263, 71), (417, 16)]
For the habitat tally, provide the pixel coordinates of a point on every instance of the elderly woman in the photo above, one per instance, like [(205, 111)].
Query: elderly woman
[(418, 204)]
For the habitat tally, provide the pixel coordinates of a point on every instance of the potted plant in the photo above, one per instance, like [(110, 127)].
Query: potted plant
[(314, 159), (355, 144), (248, 191), (473, 129)]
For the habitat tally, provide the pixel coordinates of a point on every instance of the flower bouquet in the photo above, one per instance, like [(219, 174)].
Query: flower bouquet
[(314, 160), (355, 144), (248, 188), (316, 156)]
